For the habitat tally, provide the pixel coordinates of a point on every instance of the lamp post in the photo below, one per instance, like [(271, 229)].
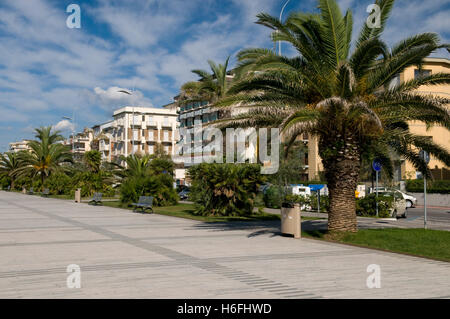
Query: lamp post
[(73, 130), (132, 130), (281, 16)]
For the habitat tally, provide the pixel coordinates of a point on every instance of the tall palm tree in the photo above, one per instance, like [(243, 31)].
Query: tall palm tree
[(347, 101), (45, 156), (9, 163), (215, 83)]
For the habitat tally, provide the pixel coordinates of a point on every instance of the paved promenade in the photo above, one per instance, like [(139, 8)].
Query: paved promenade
[(127, 255)]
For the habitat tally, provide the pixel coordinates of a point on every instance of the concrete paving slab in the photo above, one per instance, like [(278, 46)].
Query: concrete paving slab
[(126, 255)]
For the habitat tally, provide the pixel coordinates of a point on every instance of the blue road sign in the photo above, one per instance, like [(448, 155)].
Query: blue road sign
[(316, 187), (377, 166)]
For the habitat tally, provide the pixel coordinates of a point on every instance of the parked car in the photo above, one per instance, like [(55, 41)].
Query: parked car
[(411, 201), (301, 190), (184, 194)]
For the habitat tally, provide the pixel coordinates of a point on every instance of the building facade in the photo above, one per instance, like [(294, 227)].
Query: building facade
[(19, 146), (137, 130), (80, 143)]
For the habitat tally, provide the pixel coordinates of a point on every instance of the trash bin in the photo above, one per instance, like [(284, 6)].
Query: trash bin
[(78, 195), (291, 221)]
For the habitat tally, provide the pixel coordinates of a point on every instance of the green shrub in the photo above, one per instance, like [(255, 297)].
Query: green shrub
[(291, 200), (92, 182), (273, 197), (59, 184), (367, 206), (160, 187), (324, 203), (438, 187), (225, 189), (5, 181)]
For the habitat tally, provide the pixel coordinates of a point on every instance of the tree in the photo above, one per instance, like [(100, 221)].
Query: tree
[(225, 189), (9, 163), (213, 84), (93, 160), (46, 155), (347, 101)]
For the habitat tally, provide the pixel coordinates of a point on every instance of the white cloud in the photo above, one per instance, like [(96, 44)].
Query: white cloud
[(113, 97), (64, 125)]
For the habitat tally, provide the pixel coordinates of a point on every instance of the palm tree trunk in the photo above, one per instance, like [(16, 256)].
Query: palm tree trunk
[(342, 180), (342, 172)]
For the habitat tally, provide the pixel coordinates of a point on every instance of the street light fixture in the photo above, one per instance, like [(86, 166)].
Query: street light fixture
[(132, 130), (281, 16)]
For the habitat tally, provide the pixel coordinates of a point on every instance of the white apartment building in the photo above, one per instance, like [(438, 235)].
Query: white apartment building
[(19, 146), (81, 143), (137, 130)]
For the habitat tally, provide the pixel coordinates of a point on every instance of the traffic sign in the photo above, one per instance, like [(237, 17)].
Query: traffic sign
[(425, 156), (377, 166)]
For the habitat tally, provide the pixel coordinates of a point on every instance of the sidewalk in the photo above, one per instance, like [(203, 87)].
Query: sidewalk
[(126, 255)]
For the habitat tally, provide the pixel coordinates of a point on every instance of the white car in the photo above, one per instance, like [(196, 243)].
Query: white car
[(411, 201)]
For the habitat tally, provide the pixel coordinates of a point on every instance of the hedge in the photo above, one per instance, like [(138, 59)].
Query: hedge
[(437, 187)]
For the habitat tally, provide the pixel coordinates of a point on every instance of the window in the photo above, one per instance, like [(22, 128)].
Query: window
[(166, 136), (136, 119), (135, 134), (166, 120), (150, 149), (143, 133), (150, 135), (419, 74), (143, 118), (166, 149)]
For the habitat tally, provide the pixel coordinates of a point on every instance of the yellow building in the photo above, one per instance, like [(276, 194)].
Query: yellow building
[(439, 134)]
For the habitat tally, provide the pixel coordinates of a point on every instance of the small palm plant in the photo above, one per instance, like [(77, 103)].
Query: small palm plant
[(9, 163), (345, 100), (46, 155)]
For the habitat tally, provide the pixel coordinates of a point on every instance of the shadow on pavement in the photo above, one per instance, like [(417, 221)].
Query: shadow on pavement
[(260, 228)]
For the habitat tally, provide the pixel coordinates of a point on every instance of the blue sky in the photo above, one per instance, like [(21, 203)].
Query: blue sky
[(48, 71)]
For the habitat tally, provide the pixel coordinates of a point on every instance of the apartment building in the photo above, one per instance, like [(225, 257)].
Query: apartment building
[(439, 134), (137, 130), (80, 143), (19, 146)]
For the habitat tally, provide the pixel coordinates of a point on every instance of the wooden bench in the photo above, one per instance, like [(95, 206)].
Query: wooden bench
[(96, 199), (145, 202), (46, 192)]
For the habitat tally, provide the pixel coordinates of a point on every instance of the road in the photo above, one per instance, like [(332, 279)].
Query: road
[(122, 254)]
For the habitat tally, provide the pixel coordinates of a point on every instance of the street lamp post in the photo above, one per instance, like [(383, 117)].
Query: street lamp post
[(132, 129), (73, 130), (281, 16)]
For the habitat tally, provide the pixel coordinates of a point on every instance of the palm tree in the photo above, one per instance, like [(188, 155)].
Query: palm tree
[(93, 160), (344, 100), (136, 166), (9, 163), (45, 156), (214, 84)]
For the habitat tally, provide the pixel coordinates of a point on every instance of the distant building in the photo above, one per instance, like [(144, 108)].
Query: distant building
[(137, 130), (81, 143), (19, 146)]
